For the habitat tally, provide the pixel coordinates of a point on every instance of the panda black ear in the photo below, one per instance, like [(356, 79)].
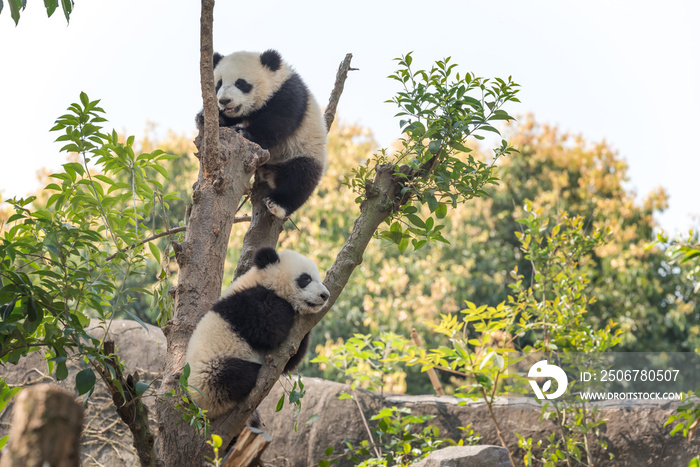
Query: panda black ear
[(264, 257), (217, 57), (271, 59)]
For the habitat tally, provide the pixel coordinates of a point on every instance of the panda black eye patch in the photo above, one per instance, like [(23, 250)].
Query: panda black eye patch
[(243, 85), (303, 280), (218, 85)]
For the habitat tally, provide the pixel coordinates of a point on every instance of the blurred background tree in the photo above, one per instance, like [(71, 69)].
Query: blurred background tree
[(653, 300)]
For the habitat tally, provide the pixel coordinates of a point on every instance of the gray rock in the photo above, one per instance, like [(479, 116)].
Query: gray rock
[(467, 456)]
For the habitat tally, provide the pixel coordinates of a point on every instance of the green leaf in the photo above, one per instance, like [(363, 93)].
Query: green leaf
[(312, 419), (154, 251), (694, 462), (486, 359), (3, 440), (67, 6), (61, 370), (15, 6), (137, 319), (280, 404), (85, 381), (441, 210), (50, 6), (500, 115), (294, 397), (432, 202), (140, 387), (415, 220), (434, 147)]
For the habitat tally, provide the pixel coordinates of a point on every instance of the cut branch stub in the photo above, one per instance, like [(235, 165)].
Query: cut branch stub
[(45, 430)]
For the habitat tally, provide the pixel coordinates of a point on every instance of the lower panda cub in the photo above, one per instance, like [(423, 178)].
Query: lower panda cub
[(252, 317)]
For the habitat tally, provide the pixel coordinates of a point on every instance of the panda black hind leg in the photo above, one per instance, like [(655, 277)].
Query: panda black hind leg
[(292, 183), (235, 379), (296, 359)]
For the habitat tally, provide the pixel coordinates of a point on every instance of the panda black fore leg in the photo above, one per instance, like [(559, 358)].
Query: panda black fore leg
[(293, 183), (296, 359)]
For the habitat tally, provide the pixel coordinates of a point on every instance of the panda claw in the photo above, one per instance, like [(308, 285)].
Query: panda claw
[(276, 210)]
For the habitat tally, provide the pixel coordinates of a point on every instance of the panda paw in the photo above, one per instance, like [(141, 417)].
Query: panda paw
[(243, 131), (275, 209)]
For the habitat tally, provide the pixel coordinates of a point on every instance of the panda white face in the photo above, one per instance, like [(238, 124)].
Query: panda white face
[(246, 80), (304, 290), (291, 275)]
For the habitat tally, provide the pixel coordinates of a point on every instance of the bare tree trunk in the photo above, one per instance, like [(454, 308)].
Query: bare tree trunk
[(46, 427)]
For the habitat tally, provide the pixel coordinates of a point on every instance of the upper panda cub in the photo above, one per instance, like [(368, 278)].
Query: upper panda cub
[(265, 100), (252, 317)]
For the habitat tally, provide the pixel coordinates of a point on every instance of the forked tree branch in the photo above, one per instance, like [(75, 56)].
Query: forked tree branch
[(265, 228)]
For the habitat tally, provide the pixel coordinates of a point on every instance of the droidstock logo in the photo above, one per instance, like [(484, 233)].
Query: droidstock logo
[(543, 370)]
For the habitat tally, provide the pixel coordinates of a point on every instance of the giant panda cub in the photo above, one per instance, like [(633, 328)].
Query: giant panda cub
[(253, 316), (266, 101)]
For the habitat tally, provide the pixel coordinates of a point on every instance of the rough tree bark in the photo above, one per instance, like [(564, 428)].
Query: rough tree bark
[(201, 260)]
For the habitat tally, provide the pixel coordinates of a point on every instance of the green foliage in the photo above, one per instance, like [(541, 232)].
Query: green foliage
[(544, 316), (365, 361), (68, 258), (6, 394), (438, 114), (653, 301), (192, 414), (399, 441), (685, 251), (398, 438), (294, 395), (17, 6)]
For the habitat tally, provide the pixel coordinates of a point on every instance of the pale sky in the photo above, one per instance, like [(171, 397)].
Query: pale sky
[(624, 71)]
